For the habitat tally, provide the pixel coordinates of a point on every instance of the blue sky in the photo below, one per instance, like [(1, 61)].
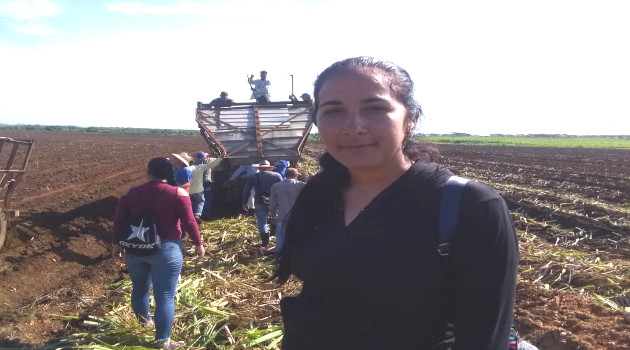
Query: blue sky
[(480, 67)]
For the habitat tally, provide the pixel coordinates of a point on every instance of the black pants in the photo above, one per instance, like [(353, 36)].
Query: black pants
[(262, 99)]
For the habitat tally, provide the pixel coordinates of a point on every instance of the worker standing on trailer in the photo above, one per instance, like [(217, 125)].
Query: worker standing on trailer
[(222, 100), (307, 98), (260, 90)]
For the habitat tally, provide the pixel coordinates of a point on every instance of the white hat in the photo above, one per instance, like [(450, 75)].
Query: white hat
[(182, 157), (264, 165)]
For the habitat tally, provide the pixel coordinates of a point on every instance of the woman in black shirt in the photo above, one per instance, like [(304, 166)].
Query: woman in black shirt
[(362, 235)]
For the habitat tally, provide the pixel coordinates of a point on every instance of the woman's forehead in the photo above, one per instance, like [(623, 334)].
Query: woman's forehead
[(356, 81), (371, 73)]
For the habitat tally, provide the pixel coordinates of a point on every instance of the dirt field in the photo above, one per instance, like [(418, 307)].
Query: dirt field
[(56, 259)]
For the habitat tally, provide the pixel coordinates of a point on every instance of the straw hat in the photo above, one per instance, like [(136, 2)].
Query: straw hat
[(183, 157), (264, 165)]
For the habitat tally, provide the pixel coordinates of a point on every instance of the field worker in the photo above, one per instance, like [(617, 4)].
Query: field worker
[(183, 173), (281, 167), (222, 100), (243, 172), (283, 195), (202, 158), (260, 88), (307, 98), (363, 234), (261, 182), (160, 270), (196, 183)]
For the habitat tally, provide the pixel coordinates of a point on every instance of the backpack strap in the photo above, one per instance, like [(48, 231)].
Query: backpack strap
[(449, 212)]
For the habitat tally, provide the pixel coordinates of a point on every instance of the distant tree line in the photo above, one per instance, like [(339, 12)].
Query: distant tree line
[(101, 130)]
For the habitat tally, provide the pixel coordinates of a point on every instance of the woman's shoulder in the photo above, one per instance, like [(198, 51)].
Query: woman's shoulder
[(426, 176), (162, 187), (170, 189), (126, 193), (477, 192)]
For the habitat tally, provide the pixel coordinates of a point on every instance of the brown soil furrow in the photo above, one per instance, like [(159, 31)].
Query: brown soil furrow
[(80, 185)]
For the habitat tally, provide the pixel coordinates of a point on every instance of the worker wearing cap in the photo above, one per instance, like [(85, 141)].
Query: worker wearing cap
[(197, 191), (222, 101), (307, 98), (202, 158), (260, 90)]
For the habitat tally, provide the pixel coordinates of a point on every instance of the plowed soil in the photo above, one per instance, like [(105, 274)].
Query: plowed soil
[(56, 258)]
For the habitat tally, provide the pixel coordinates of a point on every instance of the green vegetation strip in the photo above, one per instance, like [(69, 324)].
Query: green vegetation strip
[(101, 130), (611, 142)]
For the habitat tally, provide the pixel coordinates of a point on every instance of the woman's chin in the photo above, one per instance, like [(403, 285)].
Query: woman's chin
[(358, 163)]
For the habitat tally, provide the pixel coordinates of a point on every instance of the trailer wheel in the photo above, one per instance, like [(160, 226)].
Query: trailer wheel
[(3, 227)]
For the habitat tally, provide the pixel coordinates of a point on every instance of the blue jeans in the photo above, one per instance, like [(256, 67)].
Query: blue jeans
[(196, 199), (280, 228), (160, 271), (261, 211)]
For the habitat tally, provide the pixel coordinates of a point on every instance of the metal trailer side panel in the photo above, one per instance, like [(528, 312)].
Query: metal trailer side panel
[(247, 133)]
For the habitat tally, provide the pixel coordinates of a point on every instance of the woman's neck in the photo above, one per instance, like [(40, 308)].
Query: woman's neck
[(381, 177)]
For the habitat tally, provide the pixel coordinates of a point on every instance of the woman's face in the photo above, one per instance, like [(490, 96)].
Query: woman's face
[(360, 121)]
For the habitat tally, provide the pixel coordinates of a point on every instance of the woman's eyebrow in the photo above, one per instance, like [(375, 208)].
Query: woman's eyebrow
[(332, 103), (374, 99)]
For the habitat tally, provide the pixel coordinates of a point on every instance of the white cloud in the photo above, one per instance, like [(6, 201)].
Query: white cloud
[(29, 16), (256, 15), (33, 28), (138, 8), (28, 10)]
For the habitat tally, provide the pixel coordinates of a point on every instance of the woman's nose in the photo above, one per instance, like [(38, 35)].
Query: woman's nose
[(354, 124)]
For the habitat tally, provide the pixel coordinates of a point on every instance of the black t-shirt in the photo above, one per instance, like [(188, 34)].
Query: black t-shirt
[(379, 283)]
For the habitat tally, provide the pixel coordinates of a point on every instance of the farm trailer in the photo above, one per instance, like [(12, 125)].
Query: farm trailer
[(247, 133), (14, 154)]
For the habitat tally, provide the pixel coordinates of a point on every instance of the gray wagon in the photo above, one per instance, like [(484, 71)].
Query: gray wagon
[(246, 133), (249, 132)]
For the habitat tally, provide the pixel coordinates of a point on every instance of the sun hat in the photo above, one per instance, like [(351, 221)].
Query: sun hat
[(183, 157), (264, 165)]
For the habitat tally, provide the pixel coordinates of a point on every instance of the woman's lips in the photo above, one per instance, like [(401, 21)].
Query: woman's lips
[(356, 146)]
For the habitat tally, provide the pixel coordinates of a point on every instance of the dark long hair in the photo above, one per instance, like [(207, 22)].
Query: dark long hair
[(163, 169), (315, 202)]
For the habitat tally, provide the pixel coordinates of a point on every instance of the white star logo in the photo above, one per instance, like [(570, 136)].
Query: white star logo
[(138, 232)]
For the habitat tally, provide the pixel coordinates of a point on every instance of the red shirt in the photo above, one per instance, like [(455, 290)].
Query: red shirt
[(169, 209)]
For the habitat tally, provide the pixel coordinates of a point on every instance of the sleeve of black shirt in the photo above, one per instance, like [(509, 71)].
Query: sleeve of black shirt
[(484, 261)]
